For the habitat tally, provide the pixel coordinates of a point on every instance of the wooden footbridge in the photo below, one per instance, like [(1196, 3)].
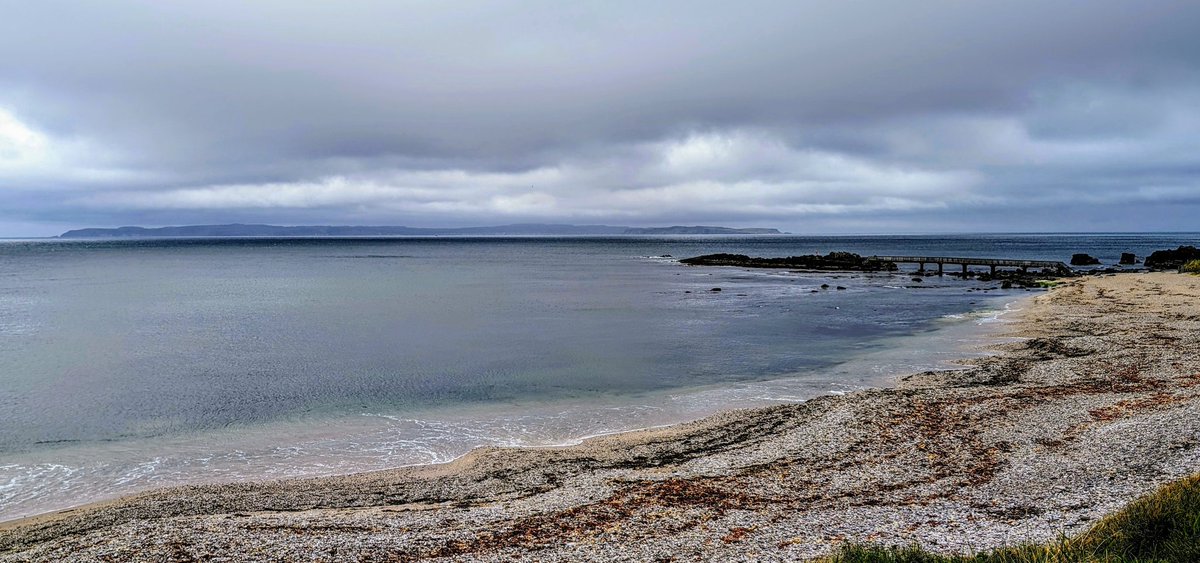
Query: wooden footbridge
[(991, 263)]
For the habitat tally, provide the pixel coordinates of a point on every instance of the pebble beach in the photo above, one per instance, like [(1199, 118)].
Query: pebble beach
[(1095, 402)]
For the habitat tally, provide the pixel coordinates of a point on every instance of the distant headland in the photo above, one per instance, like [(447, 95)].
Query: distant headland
[(526, 229)]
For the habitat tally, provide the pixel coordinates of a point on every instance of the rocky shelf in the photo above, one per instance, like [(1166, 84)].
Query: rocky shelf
[(834, 261)]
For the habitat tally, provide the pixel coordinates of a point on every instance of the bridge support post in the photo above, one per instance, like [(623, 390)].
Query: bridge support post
[(964, 271), (920, 267), (940, 268), (993, 271)]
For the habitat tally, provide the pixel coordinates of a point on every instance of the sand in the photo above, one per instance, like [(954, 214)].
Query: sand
[(1095, 405)]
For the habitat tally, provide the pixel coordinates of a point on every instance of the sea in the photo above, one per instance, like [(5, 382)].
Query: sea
[(132, 364)]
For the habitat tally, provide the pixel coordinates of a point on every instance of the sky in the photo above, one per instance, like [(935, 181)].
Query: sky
[(811, 117)]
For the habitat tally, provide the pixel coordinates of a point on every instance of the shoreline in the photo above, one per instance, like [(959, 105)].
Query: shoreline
[(1095, 407), (883, 363)]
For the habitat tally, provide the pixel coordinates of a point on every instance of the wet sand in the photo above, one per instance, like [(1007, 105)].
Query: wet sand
[(1097, 404)]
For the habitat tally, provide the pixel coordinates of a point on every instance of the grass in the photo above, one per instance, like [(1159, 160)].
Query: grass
[(1161, 527), (1192, 267)]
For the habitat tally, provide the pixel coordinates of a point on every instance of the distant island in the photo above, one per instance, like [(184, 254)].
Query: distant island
[(240, 230)]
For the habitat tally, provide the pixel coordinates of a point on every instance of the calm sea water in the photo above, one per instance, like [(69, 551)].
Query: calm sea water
[(131, 364)]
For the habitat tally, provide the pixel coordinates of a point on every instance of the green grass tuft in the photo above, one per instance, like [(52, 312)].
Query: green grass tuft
[(1192, 267), (1163, 527)]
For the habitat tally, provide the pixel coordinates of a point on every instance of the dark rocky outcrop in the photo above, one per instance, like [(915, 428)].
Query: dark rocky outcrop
[(1128, 258), (1172, 259), (845, 261), (1084, 260)]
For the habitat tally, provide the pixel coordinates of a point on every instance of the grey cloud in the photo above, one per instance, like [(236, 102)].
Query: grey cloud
[(287, 112)]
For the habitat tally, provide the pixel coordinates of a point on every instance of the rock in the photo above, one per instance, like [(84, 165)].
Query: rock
[(715, 289), (1006, 285), (843, 261), (840, 288), (918, 280), (1172, 259), (1084, 260), (824, 286), (1128, 258)]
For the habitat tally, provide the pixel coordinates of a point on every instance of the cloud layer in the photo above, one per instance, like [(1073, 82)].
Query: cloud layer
[(814, 116)]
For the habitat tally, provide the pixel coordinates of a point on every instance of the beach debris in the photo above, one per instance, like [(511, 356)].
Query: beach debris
[(736, 534)]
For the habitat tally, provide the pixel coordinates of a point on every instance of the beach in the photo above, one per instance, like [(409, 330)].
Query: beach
[(1095, 404)]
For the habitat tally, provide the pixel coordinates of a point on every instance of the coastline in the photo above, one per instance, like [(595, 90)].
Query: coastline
[(376, 439), (1096, 406)]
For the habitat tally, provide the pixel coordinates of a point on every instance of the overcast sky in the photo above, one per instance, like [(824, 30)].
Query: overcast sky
[(807, 116)]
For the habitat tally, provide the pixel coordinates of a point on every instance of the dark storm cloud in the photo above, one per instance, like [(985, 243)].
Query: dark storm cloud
[(785, 113)]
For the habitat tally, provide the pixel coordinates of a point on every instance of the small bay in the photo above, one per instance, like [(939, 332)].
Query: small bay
[(129, 364)]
